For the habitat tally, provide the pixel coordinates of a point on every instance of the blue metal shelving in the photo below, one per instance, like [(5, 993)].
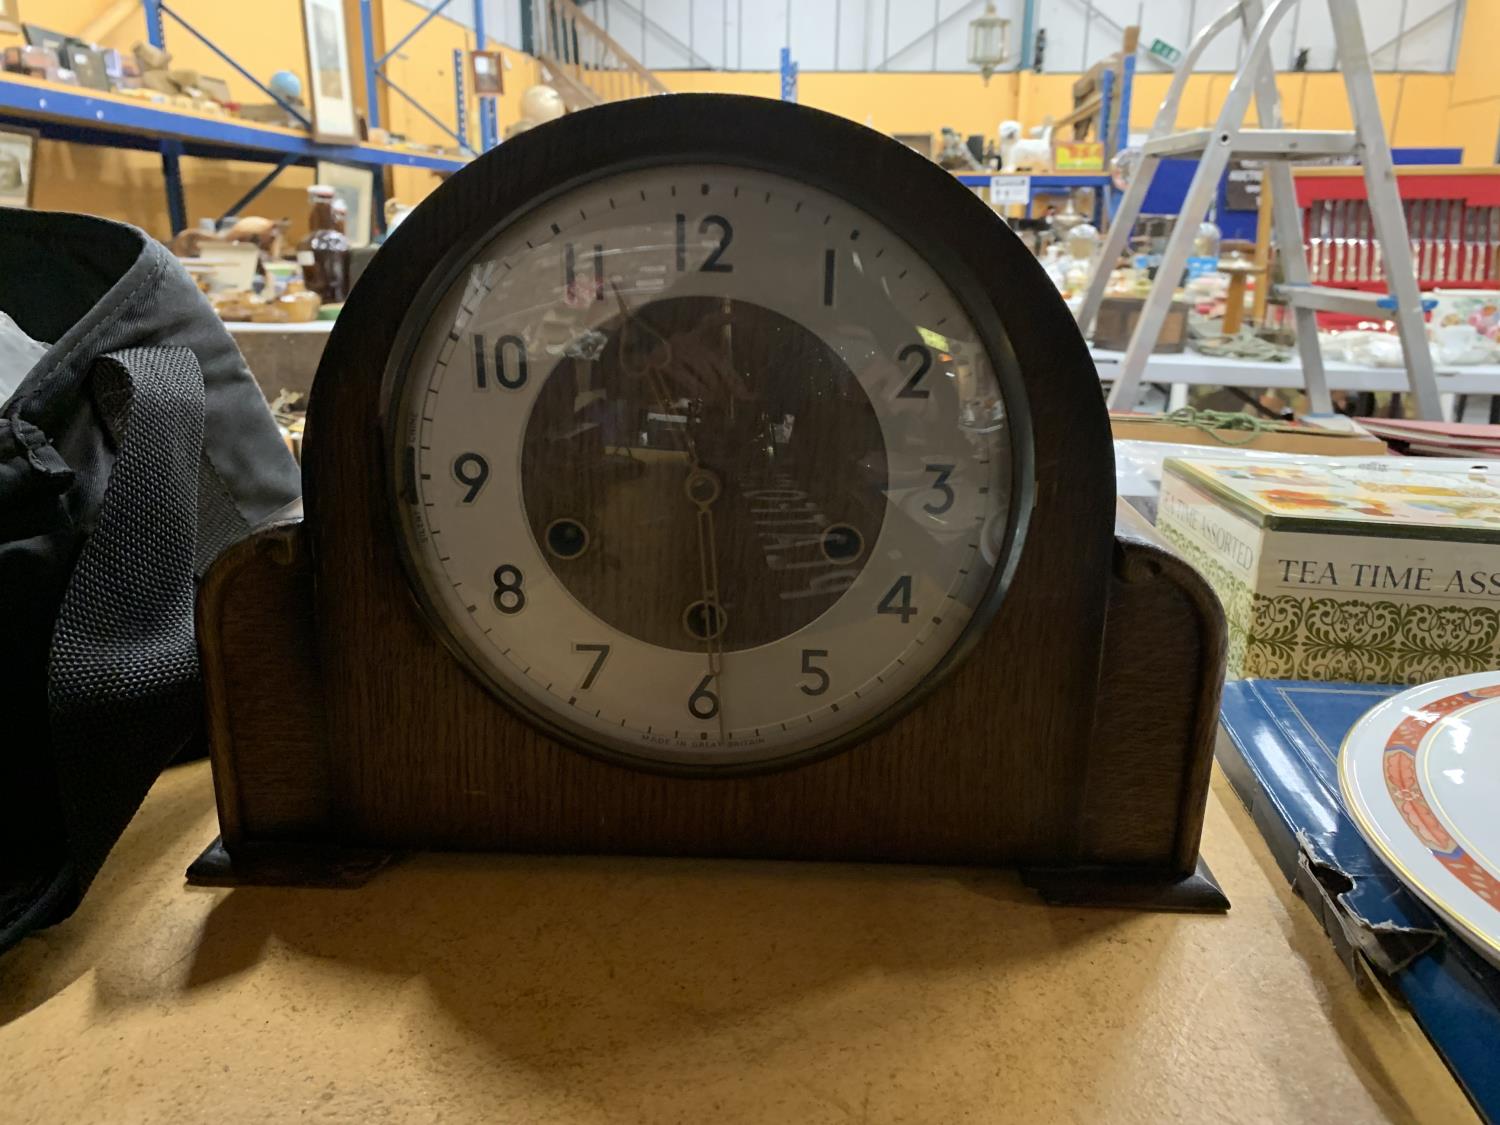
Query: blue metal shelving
[(86, 116), (1044, 183), (1041, 182), (72, 113)]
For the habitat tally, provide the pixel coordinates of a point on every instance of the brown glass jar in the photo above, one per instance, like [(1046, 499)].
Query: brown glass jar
[(324, 253)]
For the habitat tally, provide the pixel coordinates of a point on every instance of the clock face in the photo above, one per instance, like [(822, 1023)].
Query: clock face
[(699, 466)]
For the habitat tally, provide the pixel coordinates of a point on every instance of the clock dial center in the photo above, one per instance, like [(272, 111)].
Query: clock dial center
[(750, 416), (703, 488)]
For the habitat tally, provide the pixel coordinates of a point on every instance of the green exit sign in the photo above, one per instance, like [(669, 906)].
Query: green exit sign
[(1164, 51)]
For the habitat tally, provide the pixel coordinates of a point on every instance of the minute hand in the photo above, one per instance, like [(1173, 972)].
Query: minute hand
[(702, 489)]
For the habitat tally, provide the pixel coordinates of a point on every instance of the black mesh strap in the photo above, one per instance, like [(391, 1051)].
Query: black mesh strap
[(123, 673)]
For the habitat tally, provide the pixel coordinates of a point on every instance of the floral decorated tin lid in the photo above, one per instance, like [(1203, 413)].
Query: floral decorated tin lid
[(1407, 498)]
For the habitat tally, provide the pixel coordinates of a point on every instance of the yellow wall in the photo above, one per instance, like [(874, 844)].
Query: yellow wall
[(264, 37), (1459, 109)]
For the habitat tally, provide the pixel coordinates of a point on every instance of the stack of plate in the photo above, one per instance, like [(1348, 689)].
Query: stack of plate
[(1421, 777)]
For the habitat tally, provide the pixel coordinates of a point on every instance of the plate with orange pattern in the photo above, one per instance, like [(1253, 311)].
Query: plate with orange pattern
[(1421, 777)]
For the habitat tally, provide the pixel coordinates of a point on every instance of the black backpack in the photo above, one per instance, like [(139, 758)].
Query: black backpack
[(133, 452)]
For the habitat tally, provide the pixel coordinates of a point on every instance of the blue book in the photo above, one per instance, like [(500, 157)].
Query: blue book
[(1280, 752)]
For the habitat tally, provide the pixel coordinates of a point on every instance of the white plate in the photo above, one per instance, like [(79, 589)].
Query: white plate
[(1421, 777)]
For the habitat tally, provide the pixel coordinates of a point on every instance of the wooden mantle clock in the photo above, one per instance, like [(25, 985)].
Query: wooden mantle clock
[(710, 476)]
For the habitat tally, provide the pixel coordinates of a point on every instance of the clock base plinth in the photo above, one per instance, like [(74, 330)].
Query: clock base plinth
[(285, 865), (301, 803), (1129, 888), (304, 865)]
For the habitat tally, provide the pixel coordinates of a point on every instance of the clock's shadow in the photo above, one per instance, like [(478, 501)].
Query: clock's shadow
[(586, 970), (516, 988), (606, 981)]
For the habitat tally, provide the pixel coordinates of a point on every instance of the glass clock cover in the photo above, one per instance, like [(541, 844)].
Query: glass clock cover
[(701, 466)]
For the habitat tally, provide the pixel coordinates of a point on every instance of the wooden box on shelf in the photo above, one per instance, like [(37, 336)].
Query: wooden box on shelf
[(1116, 324)]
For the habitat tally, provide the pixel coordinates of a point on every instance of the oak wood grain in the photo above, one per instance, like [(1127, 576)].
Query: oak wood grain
[(1158, 705), (263, 687)]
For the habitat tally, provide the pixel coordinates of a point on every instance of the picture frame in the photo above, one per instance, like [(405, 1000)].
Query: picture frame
[(330, 85), (17, 166), (487, 73), (355, 185)]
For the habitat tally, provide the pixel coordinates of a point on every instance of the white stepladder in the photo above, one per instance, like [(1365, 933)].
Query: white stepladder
[(1276, 147)]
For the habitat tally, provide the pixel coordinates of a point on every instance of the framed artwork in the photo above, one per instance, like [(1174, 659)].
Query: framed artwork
[(330, 91), (355, 185), (17, 164), (487, 69)]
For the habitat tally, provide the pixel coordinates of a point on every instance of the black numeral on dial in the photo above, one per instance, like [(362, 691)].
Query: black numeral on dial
[(570, 272), (509, 597), (811, 669), (601, 654), (940, 485), (897, 600), (830, 258), (709, 224), (510, 362), (924, 365), (472, 471), (703, 704)]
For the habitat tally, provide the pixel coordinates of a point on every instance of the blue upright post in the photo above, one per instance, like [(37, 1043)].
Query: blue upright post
[(372, 109), (1122, 127), (1104, 197), (171, 151), (1127, 80), (1106, 95), (489, 120), (372, 94), (461, 113), (788, 76)]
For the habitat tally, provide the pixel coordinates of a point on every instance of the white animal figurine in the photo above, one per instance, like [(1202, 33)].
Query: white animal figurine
[(1010, 133), (1027, 154)]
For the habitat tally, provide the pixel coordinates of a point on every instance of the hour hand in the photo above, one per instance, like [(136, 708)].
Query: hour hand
[(705, 617)]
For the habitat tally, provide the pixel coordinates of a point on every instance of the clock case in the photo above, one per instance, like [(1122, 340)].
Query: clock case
[(1073, 739)]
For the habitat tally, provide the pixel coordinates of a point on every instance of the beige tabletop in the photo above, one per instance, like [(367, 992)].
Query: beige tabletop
[(578, 990)]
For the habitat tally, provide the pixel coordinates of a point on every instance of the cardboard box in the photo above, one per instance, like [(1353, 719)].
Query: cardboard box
[(1284, 437), (35, 61), (1380, 571), (87, 63), (1116, 321), (1078, 156)]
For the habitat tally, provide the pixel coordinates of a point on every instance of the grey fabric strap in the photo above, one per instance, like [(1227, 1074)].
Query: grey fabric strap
[(123, 672)]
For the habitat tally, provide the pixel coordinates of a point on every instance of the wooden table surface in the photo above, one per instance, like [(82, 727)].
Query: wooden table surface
[(580, 990)]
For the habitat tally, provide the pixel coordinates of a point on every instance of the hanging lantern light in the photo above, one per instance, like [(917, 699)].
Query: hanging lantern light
[(987, 36)]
